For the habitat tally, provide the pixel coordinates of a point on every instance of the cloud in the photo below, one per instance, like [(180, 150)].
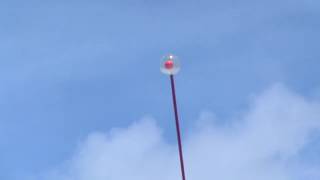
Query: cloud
[(268, 141)]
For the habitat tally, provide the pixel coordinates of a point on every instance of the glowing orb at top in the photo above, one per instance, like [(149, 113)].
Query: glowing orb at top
[(170, 64)]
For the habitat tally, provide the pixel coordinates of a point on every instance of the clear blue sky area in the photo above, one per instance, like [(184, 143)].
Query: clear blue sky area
[(68, 68)]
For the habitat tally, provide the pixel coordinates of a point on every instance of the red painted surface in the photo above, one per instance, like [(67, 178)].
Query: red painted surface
[(169, 64)]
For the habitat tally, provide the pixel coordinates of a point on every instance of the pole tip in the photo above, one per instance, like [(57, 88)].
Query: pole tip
[(170, 64)]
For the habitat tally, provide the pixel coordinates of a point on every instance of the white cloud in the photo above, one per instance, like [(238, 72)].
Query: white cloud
[(264, 143)]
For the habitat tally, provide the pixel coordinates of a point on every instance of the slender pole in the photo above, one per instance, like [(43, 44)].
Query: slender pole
[(177, 126)]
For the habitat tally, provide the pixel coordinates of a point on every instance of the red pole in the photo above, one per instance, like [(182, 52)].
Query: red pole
[(177, 126)]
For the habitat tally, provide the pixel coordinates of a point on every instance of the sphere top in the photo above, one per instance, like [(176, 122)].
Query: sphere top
[(170, 64)]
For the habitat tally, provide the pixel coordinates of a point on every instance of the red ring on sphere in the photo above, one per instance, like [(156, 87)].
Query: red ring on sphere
[(169, 64)]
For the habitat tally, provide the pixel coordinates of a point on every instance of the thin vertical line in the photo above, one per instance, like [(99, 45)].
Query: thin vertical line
[(177, 126)]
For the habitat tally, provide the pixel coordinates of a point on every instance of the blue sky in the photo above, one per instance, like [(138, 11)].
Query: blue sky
[(72, 68)]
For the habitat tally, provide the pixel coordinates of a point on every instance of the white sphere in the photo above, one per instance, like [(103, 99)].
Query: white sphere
[(170, 64)]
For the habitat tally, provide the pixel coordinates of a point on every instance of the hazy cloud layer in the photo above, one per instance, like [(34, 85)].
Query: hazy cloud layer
[(264, 143)]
